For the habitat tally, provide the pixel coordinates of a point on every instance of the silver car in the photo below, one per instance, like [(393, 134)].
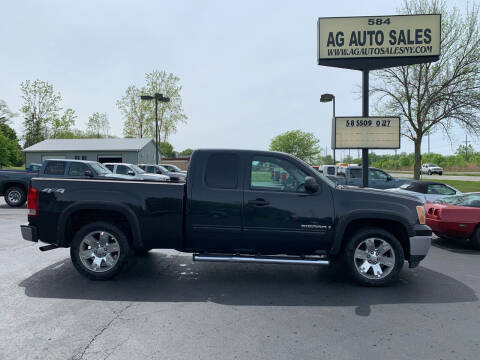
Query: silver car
[(426, 191), (133, 172)]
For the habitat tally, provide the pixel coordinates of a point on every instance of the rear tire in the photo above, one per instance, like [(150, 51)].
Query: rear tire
[(374, 257), (100, 250), (475, 240), (15, 196)]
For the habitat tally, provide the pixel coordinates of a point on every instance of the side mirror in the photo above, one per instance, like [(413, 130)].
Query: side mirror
[(389, 178), (88, 173), (311, 185), (130, 172)]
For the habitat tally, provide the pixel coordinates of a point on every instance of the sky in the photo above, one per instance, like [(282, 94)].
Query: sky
[(248, 68)]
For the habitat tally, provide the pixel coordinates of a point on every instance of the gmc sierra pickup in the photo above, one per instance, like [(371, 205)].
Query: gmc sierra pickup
[(231, 209)]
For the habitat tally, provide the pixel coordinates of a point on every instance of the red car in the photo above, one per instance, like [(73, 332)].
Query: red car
[(456, 217)]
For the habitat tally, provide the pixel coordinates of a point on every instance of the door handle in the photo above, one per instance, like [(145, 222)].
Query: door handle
[(259, 202)]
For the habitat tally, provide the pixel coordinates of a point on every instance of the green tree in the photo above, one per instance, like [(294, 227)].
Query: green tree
[(98, 125), (166, 149), (10, 147), (465, 151), (4, 151), (303, 145), (440, 94), (139, 121), (63, 126), (40, 106), (140, 115), (5, 113), (186, 152)]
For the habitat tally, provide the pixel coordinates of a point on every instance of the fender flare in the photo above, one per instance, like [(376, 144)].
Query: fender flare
[(366, 215), (99, 205)]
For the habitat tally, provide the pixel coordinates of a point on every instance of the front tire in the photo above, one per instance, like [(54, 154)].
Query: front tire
[(374, 257), (475, 240), (99, 250), (15, 196), (429, 172)]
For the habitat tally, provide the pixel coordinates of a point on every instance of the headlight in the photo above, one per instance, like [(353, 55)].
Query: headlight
[(421, 214)]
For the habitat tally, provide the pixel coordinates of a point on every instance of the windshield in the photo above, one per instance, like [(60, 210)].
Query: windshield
[(137, 169), (174, 168), (462, 200), (99, 168)]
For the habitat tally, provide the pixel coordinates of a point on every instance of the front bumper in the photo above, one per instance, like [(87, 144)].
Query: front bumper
[(29, 233), (419, 244)]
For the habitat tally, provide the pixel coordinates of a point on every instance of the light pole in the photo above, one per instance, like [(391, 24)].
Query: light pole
[(157, 97), (327, 98)]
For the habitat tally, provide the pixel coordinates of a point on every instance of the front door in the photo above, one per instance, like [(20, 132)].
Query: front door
[(280, 217)]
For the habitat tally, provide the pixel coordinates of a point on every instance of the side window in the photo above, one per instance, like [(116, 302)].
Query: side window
[(356, 173), (55, 168), (221, 171), (122, 169), (77, 169), (276, 174), (377, 174), (109, 167), (440, 190), (151, 169), (331, 170)]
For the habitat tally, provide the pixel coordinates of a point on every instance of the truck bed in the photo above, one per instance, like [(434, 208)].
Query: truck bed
[(153, 211)]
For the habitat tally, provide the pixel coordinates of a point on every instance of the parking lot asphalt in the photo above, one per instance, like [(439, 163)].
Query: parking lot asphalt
[(166, 307)]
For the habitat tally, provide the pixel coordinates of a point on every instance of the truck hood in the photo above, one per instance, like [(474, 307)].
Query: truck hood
[(379, 194)]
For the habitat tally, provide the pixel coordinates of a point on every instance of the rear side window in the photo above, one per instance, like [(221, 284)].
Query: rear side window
[(55, 168), (122, 169), (109, 167), (356, 173), (77, 169), (221, 171)]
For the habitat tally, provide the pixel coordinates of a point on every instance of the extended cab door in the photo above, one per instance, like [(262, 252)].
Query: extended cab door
[(279, 215), (214, 206)]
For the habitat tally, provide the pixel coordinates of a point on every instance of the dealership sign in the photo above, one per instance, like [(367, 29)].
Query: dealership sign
[(374, 42), (366, 132)]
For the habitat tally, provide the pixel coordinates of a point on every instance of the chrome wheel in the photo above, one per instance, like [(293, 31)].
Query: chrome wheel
[(99, 251), (14, 197), (374, 258)]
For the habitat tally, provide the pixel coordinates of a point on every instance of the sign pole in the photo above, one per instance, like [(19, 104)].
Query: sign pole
[(365, 114)]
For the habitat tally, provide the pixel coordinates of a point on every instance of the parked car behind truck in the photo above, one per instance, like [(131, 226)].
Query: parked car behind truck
[(232, 210), (14, 184), (378, 179), (133, 172)]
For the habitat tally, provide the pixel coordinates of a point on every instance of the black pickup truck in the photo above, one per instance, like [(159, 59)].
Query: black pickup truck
[(233, 208)]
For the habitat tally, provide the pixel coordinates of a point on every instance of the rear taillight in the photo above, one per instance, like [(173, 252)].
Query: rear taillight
[(32, 201)]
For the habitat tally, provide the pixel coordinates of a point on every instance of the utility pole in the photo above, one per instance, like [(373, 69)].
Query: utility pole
[(428, 141), (466, 148)]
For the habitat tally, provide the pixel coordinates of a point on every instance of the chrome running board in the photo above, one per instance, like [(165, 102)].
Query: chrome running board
[(262, 259)]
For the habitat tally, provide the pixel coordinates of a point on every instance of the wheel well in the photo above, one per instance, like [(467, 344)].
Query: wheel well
[(394, 227), (80, 218), (10, 184)]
